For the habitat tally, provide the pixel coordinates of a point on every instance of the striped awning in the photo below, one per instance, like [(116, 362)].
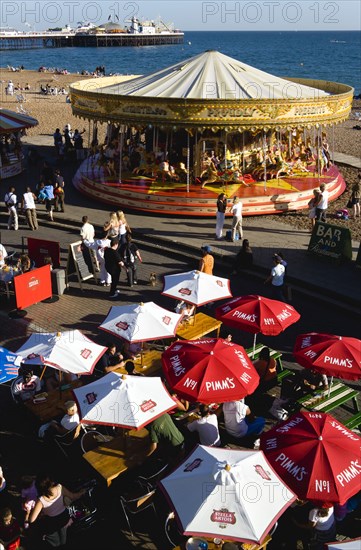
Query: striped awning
[(13, 122)]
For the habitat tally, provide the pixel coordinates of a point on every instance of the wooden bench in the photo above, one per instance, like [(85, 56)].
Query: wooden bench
[(277, 355), (328, 401), (354, 421)]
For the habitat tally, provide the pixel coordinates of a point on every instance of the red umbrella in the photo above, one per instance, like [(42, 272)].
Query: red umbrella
[(333, 355), (256, 314), (316, 456), (209, 370)]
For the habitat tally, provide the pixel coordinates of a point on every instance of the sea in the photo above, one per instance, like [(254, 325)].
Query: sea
[(327, 55)]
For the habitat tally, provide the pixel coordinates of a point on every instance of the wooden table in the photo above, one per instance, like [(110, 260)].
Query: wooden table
[(322, 402), (150, 364), (244, 546), (54, 405), (115, 457), (199, 326)]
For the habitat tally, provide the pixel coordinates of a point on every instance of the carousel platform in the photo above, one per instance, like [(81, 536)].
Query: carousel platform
[(284, 194)]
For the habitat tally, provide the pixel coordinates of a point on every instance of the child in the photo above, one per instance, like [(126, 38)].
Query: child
[(29, 494), (9, 530)]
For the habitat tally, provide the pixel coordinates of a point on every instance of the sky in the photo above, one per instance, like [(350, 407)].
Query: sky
[(188, 15)]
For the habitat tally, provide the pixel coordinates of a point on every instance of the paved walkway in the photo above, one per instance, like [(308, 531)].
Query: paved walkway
[(266, 236)]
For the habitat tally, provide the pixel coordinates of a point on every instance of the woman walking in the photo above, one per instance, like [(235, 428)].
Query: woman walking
[(221, 211), (236, 210)]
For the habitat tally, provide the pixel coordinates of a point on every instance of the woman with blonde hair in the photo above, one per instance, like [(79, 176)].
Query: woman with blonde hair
[(123, 226), (312, 204), (112, 226)]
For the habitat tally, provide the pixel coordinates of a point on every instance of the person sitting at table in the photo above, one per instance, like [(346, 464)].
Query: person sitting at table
[(165, 438), (28, 386), (110, 361), (207, 427), (130, 368), (69, 422), (186, 309), (132, 350), (304, 382), (24, 263), (3, 255), (239, 420), (266, 367)]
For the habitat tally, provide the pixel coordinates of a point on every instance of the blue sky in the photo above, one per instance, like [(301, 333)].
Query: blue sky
[(193, 15)]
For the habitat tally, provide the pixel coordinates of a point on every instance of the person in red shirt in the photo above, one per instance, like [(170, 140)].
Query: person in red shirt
[(9, 530)]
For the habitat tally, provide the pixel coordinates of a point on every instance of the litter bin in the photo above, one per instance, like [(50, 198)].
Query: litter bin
[(58, 281)]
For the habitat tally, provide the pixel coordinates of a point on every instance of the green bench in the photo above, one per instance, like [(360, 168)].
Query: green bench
[(277, 355), (354, 421), (338, 395)]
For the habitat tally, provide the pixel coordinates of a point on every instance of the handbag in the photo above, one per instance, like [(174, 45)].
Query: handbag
[(349, 204)]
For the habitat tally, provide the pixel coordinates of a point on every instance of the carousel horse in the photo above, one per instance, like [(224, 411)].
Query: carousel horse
[(210, 173)]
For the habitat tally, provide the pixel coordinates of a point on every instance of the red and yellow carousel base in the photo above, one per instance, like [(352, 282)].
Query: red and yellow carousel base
[(287, 193)]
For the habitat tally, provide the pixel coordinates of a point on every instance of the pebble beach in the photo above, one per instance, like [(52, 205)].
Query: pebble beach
[(53, 112)]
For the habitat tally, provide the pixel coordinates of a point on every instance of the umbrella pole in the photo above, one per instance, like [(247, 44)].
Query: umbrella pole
[(254, 344), (329, 387), (141, 355)]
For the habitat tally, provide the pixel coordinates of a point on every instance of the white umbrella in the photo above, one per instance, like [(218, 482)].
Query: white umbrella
[(196, 287), (124, 401), (141, 322), (354, 544), (70, 351), (227, 493)]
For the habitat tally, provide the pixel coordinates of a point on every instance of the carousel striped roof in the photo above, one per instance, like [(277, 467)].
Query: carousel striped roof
[(213, 75), (13, 122)]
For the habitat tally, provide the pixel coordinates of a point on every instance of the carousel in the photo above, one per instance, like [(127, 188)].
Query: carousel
[(177, 138), (12, 126)]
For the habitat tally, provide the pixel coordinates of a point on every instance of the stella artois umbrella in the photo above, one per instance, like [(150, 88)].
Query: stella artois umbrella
[(257, 314), (9, 365), (124, 401), (316, 456), (209, 370), (196, 287), (141, 322), (228, 494), (70, 351)]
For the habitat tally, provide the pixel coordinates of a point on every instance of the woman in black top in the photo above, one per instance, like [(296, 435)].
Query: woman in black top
[(244, 258), (221, 209)]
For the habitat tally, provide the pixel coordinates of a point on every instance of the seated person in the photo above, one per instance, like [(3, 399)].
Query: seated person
[(130, 368), (68, 423), (3, 255), (9, 530), (109, 362), (266, 367), (132, 350), (207, 427), (53, 378), (28, 386), (304, 382), (165, 437), (186, 309), (24, 263), (239, 420)]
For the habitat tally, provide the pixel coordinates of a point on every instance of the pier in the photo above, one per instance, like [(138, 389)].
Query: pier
[(61, 40)]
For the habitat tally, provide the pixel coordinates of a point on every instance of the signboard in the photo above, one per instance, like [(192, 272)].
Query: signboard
[(38, 249), (32, 287), (331, 242), (79, 262)]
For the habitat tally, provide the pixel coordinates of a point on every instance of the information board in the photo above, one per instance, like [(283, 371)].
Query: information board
[(331, 242), (79, 262), (32, 287)]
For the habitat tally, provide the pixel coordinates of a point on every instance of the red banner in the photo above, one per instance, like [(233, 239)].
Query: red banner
[(32, 287), (38, 249)]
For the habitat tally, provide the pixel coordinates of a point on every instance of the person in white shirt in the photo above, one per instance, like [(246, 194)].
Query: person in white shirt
[(207, 427), (235, 415), (276, 278), (322, 205), (3, 255), (236, 210), (98, 247), (28, 206), (28, 386), (11, 202), (322, 520), (87, 231)]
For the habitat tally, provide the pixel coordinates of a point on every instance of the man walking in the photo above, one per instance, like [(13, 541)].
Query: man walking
[(28, 206), (11, 202), (236, 210), (113, 265), (322, 204), (276, 278)]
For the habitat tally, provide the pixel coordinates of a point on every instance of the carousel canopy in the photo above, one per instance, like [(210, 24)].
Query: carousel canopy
[(213, 75), (13, 122)]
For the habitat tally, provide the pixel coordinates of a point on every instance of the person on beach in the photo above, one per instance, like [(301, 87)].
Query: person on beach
[(58, 140), (29, 208), (11, 202), (322, 205), (206, 263), (221, 211), (236, 210), (276, 278), (48, 191), (355, 198), (312, 205)]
